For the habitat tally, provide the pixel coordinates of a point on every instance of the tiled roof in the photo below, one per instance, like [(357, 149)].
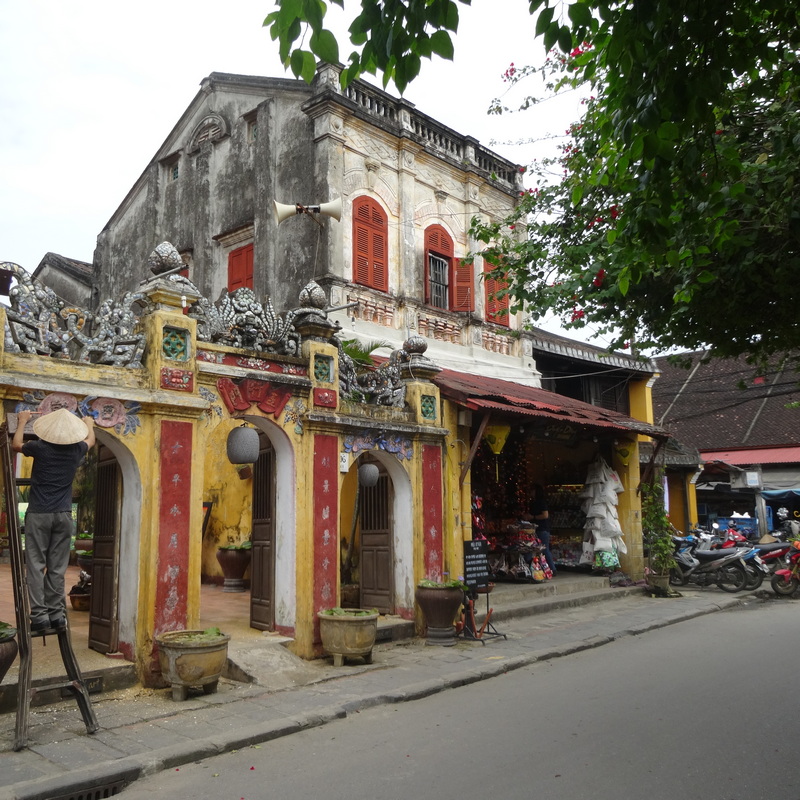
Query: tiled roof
[(556, 344), (77, 269), (513, 399), (724, 404)]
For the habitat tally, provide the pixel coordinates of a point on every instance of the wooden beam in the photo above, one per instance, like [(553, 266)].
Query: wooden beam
[(474, 449)]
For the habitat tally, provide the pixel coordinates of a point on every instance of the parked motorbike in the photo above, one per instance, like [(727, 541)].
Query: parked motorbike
[(707, 567), (785, 582), (770, 553)]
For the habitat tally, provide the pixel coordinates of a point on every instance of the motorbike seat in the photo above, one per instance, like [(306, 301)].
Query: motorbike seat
[(715, 555), (768, 548)]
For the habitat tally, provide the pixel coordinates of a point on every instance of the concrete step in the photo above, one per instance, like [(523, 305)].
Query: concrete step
[(519, 599)]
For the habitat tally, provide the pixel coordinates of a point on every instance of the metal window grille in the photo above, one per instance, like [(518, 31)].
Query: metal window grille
[(438, 277)]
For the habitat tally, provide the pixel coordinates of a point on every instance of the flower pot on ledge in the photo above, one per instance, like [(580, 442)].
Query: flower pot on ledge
[(234, 562), (8, 648), (439, 604), (348, 633), (192, 658)]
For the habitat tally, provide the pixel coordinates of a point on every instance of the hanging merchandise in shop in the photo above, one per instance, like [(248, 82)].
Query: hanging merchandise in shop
[(602, 538)]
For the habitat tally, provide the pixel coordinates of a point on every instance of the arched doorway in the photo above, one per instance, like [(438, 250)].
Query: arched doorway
[(103, 612), (115, 578), (262, 564), (376, 551)]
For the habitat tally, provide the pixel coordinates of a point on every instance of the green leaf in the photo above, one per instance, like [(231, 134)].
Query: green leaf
[(551, 35), (325, 46), (577, 194), (565, 39), (442, 45), (611, 235), (706, 277), (624, 281), (544, 19), (580, 14), (303, 65)]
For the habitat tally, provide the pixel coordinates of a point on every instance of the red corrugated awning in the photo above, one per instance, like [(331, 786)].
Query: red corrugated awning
[(505, 398), (755, 455)]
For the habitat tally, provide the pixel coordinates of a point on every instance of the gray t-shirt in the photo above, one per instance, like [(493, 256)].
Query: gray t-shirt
[(54, 467)]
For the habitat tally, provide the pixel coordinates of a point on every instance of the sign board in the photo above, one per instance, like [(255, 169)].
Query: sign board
[(476, 564)]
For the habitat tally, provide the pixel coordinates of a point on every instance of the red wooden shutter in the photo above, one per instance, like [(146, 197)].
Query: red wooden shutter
[(370, 235), (496, 307), (240, 268), (462, 287)]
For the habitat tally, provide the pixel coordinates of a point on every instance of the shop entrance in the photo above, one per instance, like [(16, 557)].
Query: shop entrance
[(262, 564), (376, 553), (103, 614)]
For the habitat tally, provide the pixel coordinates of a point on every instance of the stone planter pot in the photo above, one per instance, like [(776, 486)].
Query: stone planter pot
[(234, 563), (8, 652), (80, 601), (192, 658), (348, 636), (439, 605), (85, 562), (659, 582)]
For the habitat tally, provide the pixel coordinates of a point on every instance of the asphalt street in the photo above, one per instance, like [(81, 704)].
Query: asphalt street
[(701, 709)]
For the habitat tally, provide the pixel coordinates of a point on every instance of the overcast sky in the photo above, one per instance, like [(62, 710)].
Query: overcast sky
[(91, 89)]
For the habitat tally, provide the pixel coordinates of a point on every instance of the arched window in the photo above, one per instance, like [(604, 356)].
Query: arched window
[(370, 236), (448, 281)]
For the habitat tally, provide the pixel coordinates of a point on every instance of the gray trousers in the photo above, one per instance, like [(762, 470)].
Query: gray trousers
[(47, 542)]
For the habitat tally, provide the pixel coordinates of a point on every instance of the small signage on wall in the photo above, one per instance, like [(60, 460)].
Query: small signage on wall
[(476, 563)]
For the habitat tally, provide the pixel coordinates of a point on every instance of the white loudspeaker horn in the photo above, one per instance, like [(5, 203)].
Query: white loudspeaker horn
[(283, 211), (333, 208), (330, 209)]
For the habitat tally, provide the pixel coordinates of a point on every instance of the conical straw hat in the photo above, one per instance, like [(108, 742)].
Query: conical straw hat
[(60, 427)]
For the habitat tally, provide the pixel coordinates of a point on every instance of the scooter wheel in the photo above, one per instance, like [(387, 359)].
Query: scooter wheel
[(782, 587), (732, 578), (755, 577), (676, 578)]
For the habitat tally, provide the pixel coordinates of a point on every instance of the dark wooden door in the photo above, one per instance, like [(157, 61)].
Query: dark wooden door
[(262, 564), (376, 561), (103, 631)]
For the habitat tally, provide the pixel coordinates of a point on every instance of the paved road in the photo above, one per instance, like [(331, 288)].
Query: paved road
[(703, 709)]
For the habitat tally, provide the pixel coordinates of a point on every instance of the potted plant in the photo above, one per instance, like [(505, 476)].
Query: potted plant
[(440, 602), (234, 559), (80, 595), (348, 633), (658, 533), (84, 549), (8, 647), (192, 658)]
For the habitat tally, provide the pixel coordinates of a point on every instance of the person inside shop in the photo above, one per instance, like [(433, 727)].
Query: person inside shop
[(541, 517), (64, 440)]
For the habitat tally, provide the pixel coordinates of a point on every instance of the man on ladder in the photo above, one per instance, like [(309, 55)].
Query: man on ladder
[(64, 440)]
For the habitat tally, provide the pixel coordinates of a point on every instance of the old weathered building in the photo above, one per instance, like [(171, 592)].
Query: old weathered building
[(243, 321)]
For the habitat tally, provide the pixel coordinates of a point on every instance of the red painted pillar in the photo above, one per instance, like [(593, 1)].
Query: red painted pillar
[(173, 519), (432, 511), (326, 523)]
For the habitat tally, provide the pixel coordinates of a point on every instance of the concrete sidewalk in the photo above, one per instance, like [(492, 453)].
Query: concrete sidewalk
[(144, 731)]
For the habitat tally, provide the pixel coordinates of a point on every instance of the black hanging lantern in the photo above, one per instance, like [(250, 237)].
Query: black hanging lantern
[(368, 474), (243, 445)]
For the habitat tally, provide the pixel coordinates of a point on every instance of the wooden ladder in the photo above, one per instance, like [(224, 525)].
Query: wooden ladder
[(74, 682)]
